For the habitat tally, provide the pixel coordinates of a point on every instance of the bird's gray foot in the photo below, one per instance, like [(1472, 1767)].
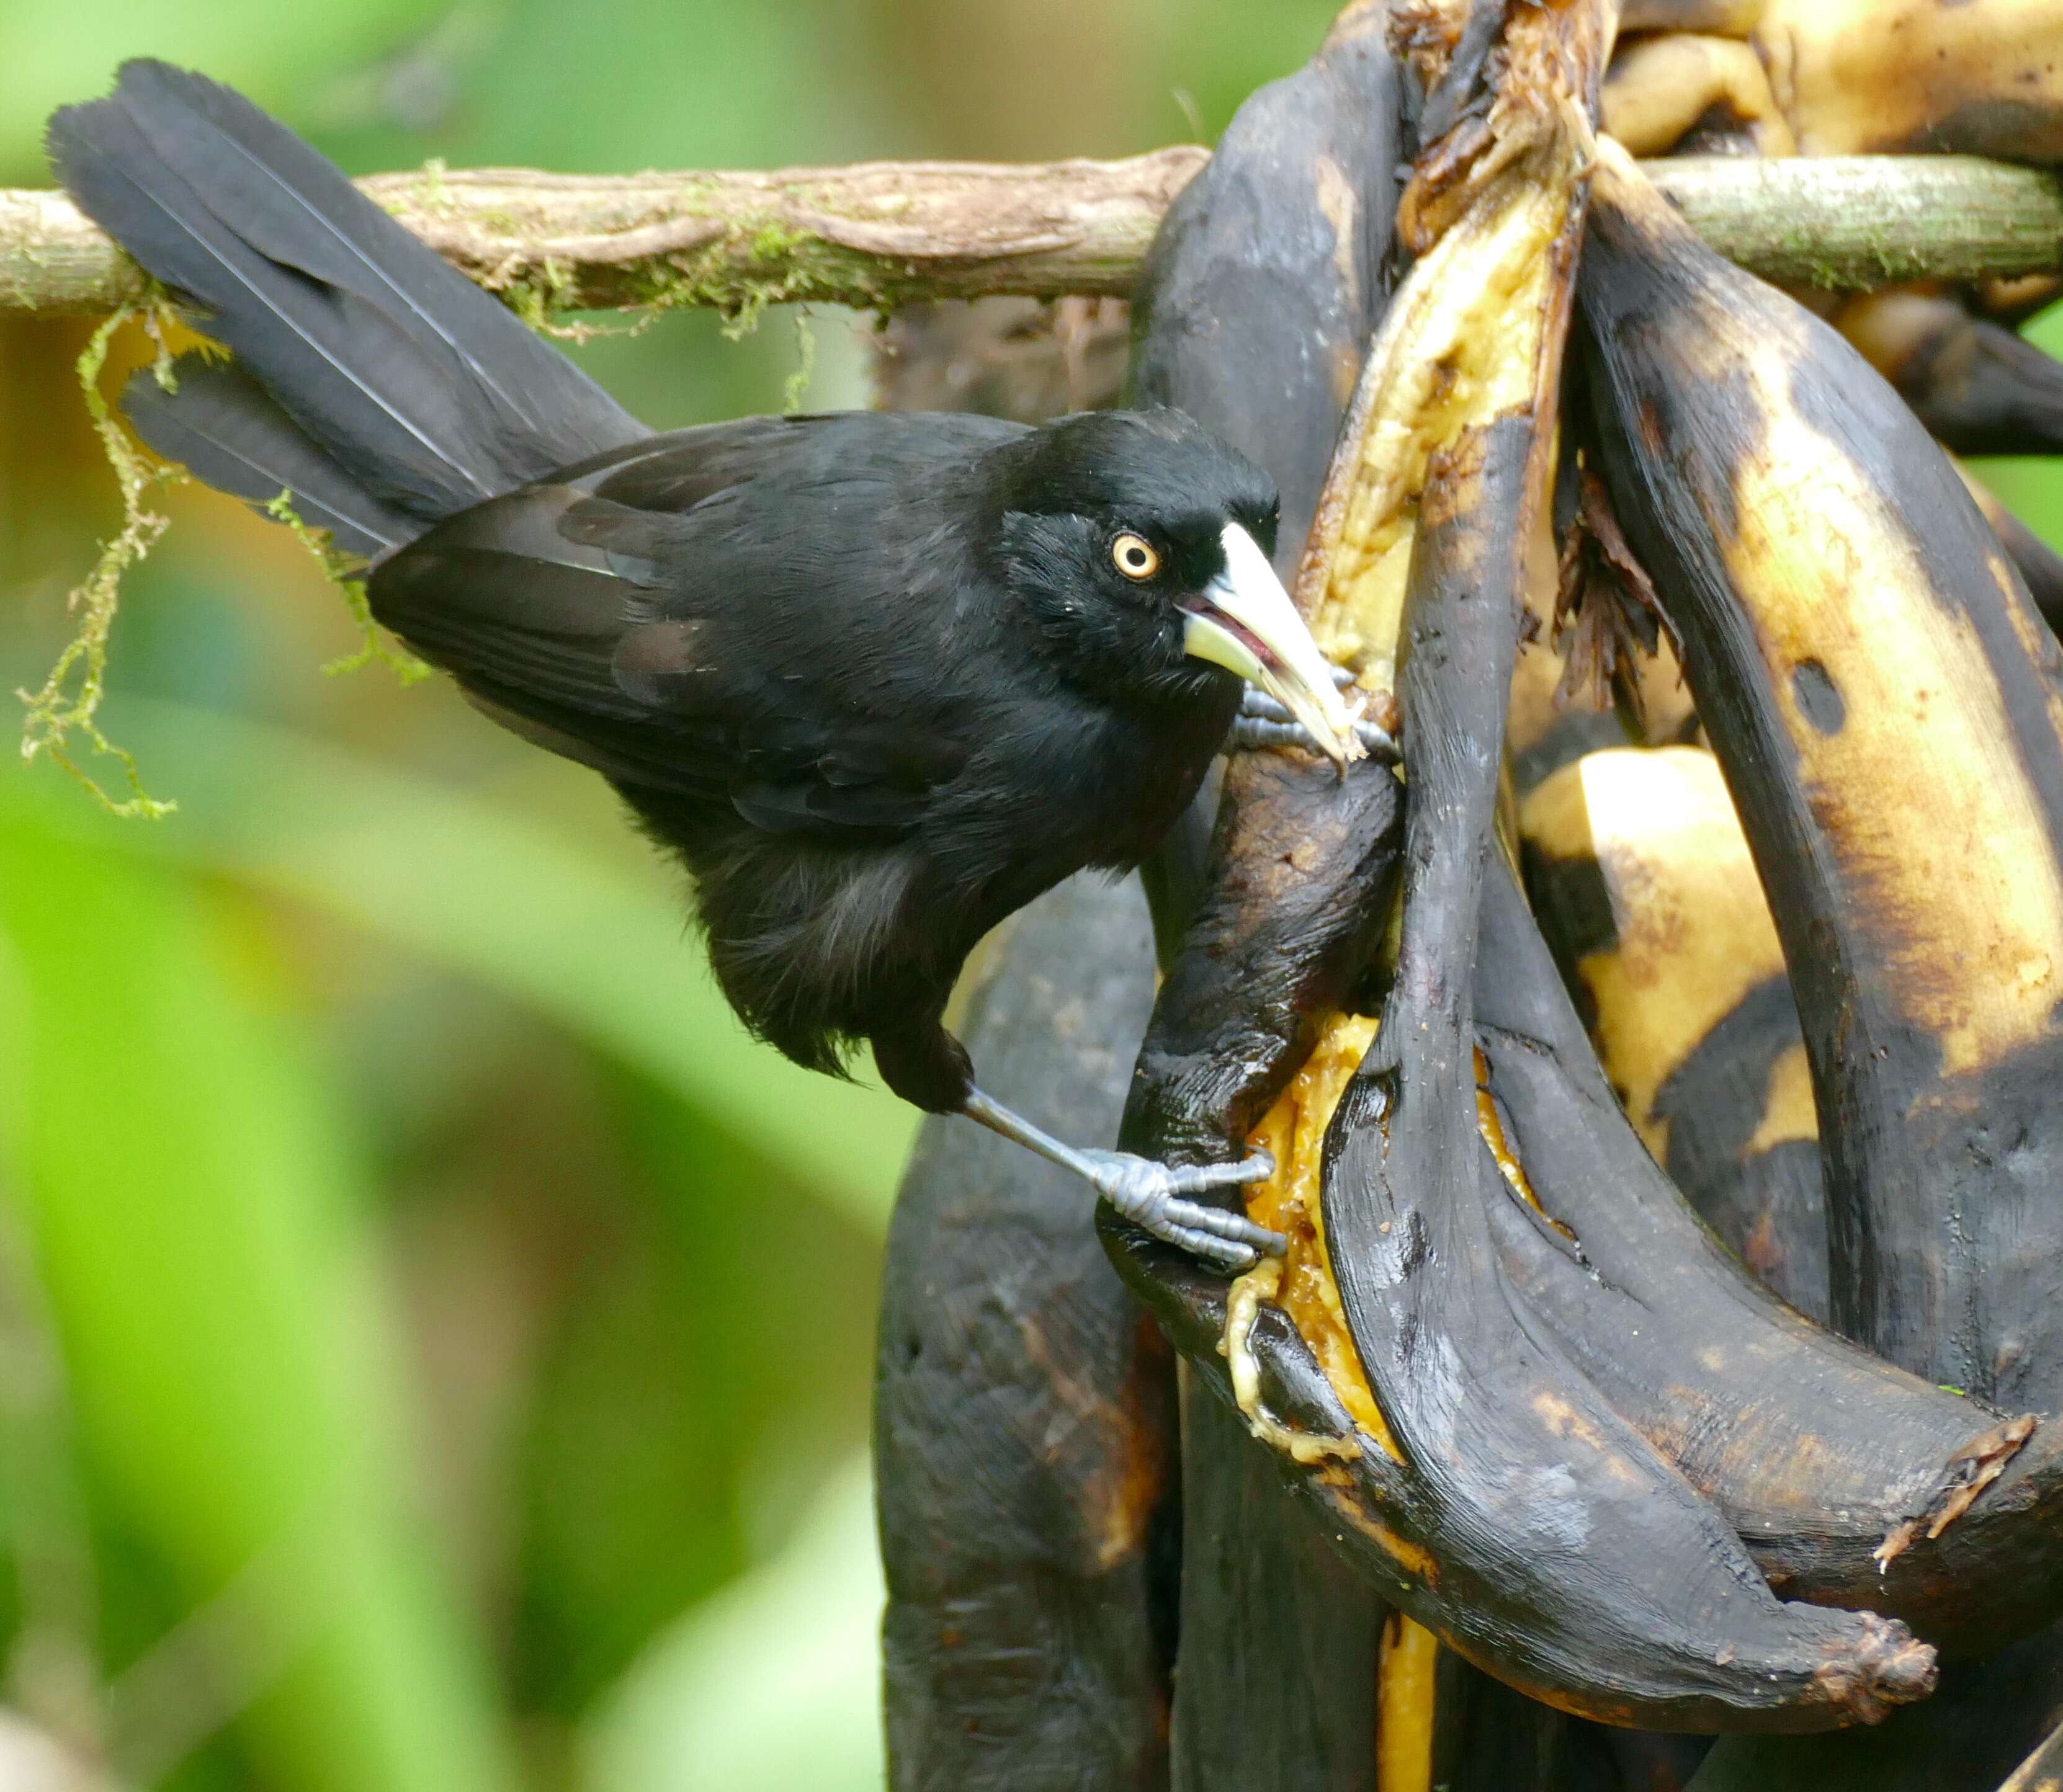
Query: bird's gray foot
[(1151, 1195), (1262, 722)]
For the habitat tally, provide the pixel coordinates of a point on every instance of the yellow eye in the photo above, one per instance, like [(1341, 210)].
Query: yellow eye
[(1135, 557)]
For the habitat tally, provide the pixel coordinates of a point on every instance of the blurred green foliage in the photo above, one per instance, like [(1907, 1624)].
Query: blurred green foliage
[(434, 1341)]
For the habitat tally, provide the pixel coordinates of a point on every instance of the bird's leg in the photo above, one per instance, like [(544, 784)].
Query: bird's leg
[(1150, 1194), (1263, 722)]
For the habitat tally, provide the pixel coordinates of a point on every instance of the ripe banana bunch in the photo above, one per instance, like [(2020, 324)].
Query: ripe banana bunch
[(1541, 1406)]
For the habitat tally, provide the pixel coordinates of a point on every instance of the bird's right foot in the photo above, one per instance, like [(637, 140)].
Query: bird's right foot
[(1151, 1194), (1154, 1196)]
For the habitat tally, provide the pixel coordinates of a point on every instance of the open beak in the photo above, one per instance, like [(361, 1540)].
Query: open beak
[(1244, 619)]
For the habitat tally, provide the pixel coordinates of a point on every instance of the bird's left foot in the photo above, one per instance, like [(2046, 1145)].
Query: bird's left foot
[(1152, 1195), (1263, 722)]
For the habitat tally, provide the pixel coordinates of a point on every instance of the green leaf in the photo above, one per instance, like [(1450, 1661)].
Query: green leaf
[(773, 1684), (200, 1235), (57, 54), (524, 907)]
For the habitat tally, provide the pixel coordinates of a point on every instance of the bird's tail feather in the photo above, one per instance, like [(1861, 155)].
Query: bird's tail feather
[(368, 366), (218, 421)]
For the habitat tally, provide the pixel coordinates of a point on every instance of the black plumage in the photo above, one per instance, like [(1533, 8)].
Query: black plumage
[(866, 673), (879, 680)]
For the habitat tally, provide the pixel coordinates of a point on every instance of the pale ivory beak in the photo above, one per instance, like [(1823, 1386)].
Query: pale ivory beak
[(1244, 620)]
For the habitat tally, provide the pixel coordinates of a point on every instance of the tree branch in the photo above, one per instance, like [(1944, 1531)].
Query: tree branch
[(876, 235), (1855, 221)]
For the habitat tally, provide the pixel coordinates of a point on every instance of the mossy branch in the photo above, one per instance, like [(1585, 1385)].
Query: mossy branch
[(873, 235), (877, 235)]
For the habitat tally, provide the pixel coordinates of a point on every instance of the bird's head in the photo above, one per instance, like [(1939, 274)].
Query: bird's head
[(1140, 543)]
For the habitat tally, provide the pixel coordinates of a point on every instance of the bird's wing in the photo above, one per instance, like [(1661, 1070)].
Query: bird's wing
[(843, 784), (672, 615)]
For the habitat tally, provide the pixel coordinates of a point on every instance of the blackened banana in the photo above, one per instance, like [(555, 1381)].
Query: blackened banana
[(2040, 566), (1279, 1651), (1936, 1089), (1313, 1400), (1853, 1482), (1264, 283), (1640, 1605), (1024, 1423), (1302, 870), (1979, 388), (1647, 896), (1884, 700)]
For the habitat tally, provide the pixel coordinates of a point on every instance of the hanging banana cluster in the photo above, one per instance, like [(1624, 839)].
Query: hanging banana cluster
[(1794, 963)]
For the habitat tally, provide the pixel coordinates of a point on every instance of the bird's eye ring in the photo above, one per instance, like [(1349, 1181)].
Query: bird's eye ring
[(1134, 556)]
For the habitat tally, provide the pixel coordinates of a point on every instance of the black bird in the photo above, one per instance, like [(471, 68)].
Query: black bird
[(879, 680)]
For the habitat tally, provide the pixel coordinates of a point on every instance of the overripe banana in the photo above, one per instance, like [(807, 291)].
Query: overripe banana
[(1980, 388), (1854, 1482), (1884, 700), (1858, 77), (1840, 77), (1530, 1470), (1647, 895), (1024, 1425), (1955, 1262), (1693, 93), (1347, 1357), (1259, 293), (2039, 565)]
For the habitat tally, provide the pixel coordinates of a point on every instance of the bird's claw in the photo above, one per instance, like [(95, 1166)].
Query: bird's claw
[(1152, 1195), (1263, 722)]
